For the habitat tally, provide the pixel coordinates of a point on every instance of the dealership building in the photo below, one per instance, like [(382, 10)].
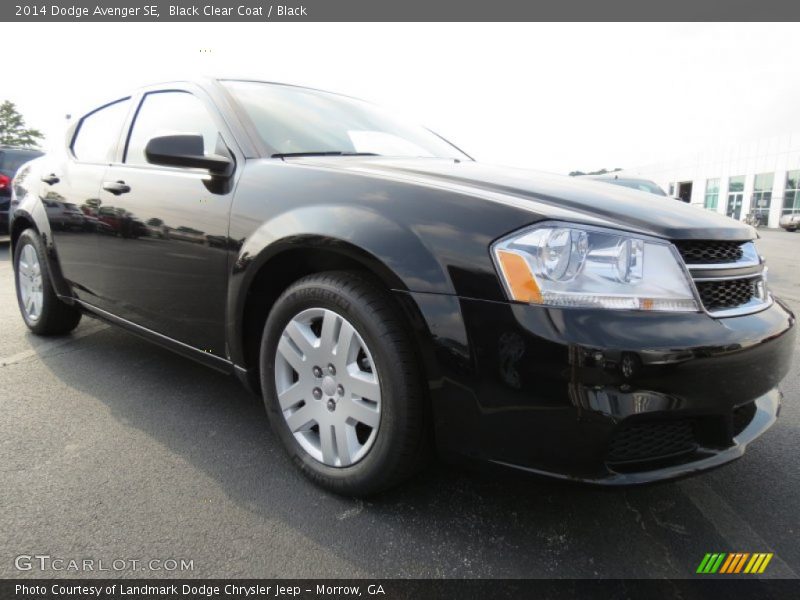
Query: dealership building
[(762, 176)]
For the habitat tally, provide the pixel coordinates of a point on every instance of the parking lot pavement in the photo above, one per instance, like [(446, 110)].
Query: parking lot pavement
[(111, 448)]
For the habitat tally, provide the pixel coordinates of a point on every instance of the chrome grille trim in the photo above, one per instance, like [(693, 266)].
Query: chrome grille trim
[(749, 262), (721, 266), (752, 275), (751, 307)]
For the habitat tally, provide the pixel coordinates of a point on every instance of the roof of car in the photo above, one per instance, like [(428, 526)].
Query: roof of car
[(218, 78)]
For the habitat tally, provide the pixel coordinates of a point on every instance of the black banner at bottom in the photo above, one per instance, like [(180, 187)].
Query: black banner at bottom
[(392, 589)]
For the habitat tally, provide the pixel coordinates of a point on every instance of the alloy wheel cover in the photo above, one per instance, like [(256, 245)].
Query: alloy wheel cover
[(328, 387)]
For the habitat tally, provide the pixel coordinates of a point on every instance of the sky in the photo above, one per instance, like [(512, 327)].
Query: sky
[(551, 97)]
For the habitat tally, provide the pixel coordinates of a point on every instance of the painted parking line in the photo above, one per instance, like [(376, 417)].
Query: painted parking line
[(735, 531), (46, 348)]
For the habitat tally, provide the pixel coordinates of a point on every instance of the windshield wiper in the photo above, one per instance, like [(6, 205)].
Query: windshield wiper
[(322, 153)]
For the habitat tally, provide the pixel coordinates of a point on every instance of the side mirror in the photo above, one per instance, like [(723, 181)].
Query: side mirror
[(186, 150)]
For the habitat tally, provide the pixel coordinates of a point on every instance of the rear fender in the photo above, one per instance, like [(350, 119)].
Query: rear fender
[(30, 211)]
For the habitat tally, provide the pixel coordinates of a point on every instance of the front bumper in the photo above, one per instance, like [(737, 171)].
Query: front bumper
[(766, 410), (602, 396)]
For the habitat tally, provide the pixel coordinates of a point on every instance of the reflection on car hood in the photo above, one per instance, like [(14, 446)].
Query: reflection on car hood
[(551, 195)]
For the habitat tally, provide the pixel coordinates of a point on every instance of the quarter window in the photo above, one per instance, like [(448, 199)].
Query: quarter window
[(169, 113), (712, 194), (791, 197), (98, 133)]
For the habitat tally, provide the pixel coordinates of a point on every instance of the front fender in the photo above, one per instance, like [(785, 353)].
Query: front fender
[(416, 238), (358, 231), (388, 250)]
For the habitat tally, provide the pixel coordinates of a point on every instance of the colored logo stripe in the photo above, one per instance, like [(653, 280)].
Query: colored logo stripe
[(711, 563), (740, 564), (758, 563), (734, 562), (732, 558)]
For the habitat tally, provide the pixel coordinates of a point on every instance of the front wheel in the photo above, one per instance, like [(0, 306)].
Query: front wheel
[(341, 384), (43, 312)]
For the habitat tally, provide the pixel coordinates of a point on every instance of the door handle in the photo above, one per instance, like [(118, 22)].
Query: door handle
[(51, 179), (116, 187)]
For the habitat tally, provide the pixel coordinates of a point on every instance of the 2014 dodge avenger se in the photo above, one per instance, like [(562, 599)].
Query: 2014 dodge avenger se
[(389, 296)]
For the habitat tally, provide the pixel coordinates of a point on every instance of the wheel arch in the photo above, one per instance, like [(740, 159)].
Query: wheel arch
[(20, 223), (288, 260), (36, 219)]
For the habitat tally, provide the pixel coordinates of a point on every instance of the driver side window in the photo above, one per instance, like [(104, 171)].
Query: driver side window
[(169, 113)]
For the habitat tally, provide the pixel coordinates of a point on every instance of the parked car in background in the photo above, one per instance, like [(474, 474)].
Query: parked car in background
[(386, 294), (643, 185), (11, 159), (790, 222), (63, 215)]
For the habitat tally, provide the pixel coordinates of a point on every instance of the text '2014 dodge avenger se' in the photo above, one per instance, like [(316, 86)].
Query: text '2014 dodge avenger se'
[(389, 296)]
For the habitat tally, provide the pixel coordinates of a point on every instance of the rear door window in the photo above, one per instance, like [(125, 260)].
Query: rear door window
[(99, 131)]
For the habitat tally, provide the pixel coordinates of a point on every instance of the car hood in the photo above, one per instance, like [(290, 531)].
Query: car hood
[(549, 195)]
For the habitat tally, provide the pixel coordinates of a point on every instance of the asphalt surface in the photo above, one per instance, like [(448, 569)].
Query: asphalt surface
[(111, 448)]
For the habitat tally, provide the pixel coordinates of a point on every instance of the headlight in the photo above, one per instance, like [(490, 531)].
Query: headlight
[(570, 266)]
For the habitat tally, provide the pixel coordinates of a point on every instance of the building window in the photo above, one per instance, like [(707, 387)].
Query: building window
[(791, 198), (735, 196), (762, 196), (685, 191), (736, 184), (712, 194)]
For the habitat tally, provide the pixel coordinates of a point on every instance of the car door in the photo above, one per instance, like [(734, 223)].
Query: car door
[(69, 191), (164, 249)]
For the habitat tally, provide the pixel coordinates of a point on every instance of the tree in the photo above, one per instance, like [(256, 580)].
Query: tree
[(12, 128)]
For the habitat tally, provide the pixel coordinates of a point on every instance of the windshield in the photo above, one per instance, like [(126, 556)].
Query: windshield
[(640, 184), (297, 121)]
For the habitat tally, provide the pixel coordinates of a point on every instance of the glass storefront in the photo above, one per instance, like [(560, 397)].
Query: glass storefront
[(712, 194), (791, 197), (735, 197), (762, 196)]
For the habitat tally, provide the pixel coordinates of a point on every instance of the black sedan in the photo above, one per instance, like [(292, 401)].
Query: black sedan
[(390, 297)]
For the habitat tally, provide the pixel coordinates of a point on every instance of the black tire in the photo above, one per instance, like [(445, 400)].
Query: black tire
[(56, 317), (400, 446)]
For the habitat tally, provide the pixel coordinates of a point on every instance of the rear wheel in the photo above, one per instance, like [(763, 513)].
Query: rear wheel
[(43, 312), (341, 384)]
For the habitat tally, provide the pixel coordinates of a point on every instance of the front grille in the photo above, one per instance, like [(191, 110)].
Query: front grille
[(652, 441), (709, 252), (728, 275), (727, 293)]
